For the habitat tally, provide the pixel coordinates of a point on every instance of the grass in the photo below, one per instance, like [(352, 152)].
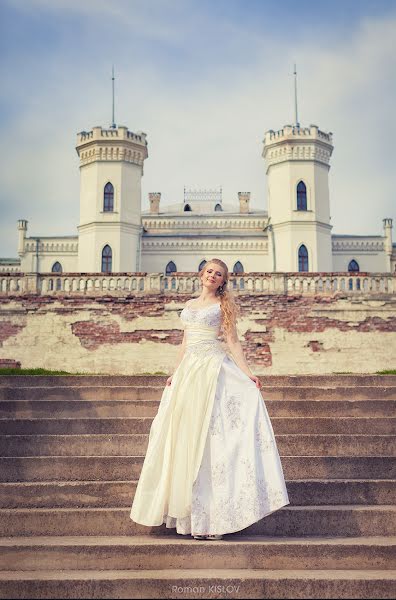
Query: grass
[(13, 371), (384, 372)]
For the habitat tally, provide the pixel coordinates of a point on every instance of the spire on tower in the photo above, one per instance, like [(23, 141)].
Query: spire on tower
[(297, 124), (113, 125)]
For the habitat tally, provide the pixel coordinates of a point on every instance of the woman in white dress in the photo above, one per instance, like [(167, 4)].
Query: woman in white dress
[(212, 465)]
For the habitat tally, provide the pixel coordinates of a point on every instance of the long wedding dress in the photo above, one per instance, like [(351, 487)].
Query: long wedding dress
[(212, 465)]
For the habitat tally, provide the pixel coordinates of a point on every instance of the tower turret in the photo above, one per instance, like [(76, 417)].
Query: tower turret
[(388, 245), (297, 165), (22, 230), (111, 168)]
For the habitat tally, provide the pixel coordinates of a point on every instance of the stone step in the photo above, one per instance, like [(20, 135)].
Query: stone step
[(286, 392), (181, 552), (112, 493), (195, 583), (122, 468), (341, 520), (281, 425), (22, 409), (113, 444), (159, 380)]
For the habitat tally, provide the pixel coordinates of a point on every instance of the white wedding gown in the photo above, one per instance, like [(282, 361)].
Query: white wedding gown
[(212, 465)]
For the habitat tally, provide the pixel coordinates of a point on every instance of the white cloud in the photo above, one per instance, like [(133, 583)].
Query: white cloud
[(206, 120)]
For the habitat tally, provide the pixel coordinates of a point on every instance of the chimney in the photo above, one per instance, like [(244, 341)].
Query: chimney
[(244, 199), (154, 198)]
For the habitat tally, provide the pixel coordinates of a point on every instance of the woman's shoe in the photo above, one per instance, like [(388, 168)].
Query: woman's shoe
[(199, 537), (214, 537)]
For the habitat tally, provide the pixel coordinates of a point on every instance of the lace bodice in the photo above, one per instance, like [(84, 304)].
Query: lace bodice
[(202, 327), (209, 316)]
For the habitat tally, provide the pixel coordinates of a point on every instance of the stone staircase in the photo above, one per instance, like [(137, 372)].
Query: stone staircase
[(71, 453)]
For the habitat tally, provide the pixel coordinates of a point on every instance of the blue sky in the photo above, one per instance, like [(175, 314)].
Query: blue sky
[(204, 80)]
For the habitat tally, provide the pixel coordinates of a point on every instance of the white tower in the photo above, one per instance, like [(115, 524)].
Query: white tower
[(111, 168), (297, 165)]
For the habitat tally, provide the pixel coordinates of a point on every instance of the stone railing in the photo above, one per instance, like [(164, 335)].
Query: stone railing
[(151, 283)]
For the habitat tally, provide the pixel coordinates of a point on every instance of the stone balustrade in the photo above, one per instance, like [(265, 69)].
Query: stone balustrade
[(140, 283)]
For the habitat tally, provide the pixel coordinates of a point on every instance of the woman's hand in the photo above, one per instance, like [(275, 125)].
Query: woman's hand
[(256, 380), (169, 380)]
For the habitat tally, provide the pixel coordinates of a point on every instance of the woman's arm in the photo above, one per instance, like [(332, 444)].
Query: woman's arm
[(237, 352)]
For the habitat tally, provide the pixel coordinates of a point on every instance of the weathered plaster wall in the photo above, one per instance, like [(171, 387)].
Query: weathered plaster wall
[(140, 333)]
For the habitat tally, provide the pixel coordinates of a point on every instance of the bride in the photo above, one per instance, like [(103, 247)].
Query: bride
[(212, 465)]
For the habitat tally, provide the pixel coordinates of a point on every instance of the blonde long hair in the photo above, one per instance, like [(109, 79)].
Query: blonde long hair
[(229, 309)]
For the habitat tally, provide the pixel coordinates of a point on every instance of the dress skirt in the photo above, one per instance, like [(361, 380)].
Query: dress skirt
[(212, 465)]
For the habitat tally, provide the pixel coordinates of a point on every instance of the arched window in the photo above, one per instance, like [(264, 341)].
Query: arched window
[(107, 256), (170, 268), (108, 199), (302, 258), (218, 207), (202, 264), (56, 267), (238, 268), (353, 266), (187, 208), (301, 196)]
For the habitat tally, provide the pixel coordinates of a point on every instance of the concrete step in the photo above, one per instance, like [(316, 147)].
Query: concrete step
[(181, 552), (132, 424), (122, 468), (193, 583), (22, 409), (159, 380), (113, 444), (269, 392), (111, 493), (67, 470), (341, 520)]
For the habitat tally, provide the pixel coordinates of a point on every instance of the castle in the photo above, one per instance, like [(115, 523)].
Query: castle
[(116, 235)]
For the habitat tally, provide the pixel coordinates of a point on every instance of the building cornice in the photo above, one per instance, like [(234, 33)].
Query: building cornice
[(51, 246), (204, 246), (206, 222), (363, 245), (300, 224)]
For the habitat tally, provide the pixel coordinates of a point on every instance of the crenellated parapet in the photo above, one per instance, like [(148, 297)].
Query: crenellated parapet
[(117, 144), (292, 143), (293, 131)]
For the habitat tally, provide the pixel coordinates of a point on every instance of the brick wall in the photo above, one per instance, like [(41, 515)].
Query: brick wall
[(280, 334)]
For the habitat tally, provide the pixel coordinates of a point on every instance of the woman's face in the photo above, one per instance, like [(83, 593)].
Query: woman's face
[(213, 276)]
